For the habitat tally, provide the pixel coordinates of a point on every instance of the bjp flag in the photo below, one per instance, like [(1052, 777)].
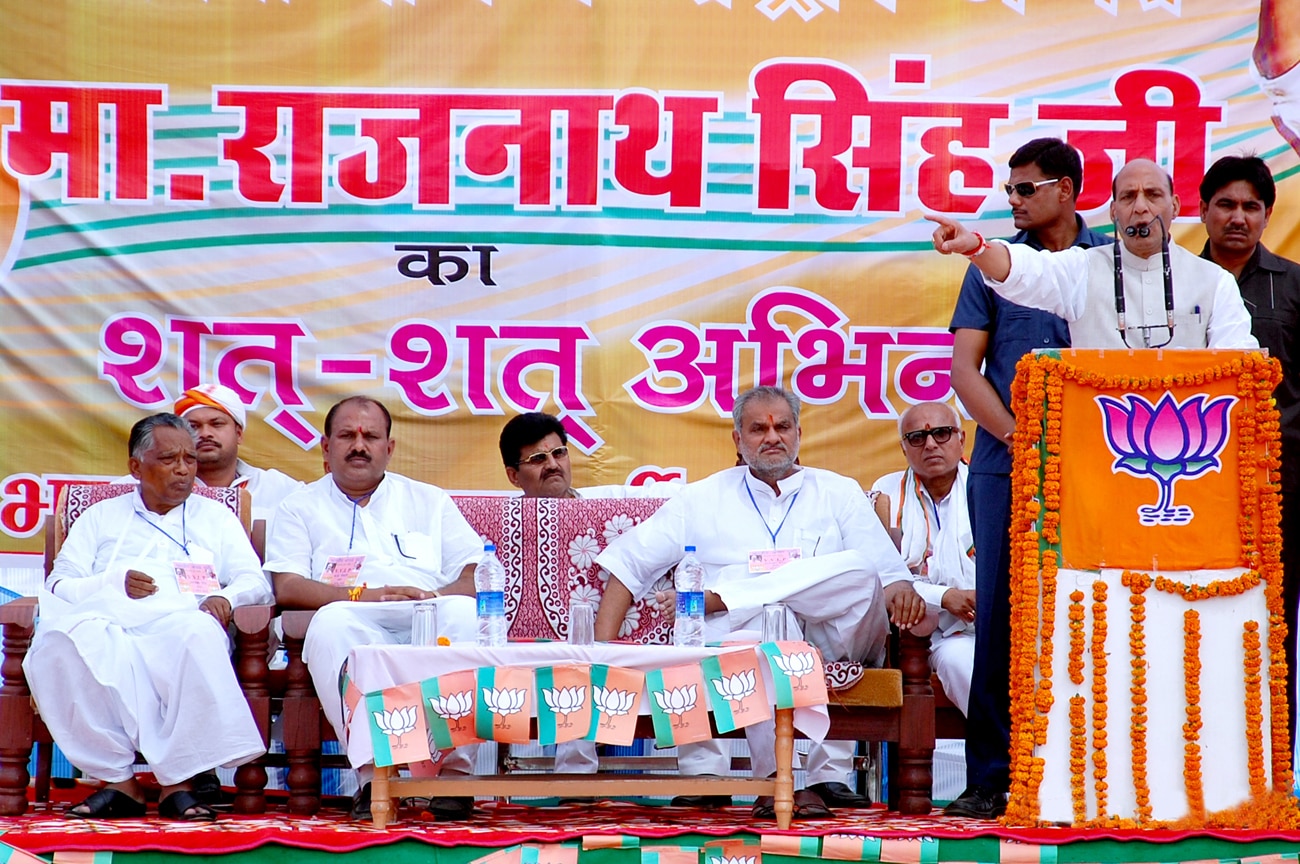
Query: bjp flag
[(678, 705), (616, 699), (796, 674), (563, 703), (351, 699), (449, 703), (505, 704), (736, 690), (549, 853), (398, 733)]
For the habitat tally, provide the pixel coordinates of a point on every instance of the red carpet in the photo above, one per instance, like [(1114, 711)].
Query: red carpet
[(499, 825)]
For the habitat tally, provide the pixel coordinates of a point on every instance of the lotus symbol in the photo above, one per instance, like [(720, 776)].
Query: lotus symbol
[(796, 666), (738, 859), (734, 688), (453, 706), (678, 700), (1166, 441), (504, 701), (612, 703), (396, 722), (565, 701)]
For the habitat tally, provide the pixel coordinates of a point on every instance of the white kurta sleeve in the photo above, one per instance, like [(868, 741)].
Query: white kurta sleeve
[(863, 532), (461, 545), (72, 577), (1229, 325), (288, 546), (931, 593), (240, 573), (1055, 282)]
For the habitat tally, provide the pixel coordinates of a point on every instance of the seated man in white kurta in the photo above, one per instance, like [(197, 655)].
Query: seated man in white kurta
[(927, 505), (831, 563), (413, 544), (130, 656)]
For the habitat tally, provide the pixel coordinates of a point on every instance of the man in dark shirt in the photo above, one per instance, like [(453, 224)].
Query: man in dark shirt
[(1237, 198), (990, 335)]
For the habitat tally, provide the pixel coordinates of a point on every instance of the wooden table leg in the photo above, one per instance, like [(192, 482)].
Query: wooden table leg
[(784, 792), (381, 797)]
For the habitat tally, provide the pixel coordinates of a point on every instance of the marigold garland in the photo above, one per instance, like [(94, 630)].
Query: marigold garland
[(1075, 664), (1254, 708), (1099, 695), (1138, 583), (1192, 779), (1078, 758), (1036, 495)]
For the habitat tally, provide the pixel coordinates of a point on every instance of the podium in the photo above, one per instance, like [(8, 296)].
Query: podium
[(1147, 661)]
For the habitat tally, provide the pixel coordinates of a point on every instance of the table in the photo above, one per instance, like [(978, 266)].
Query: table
[(376, 667)]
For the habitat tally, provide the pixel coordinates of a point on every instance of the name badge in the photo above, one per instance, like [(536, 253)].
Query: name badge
[(192, 578), (341, 571), (767, 560)]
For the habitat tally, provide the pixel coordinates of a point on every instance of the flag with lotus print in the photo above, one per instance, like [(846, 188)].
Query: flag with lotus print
[(564, 711), (615, 703), (549, 853), (736, 690), (670, 855), (797, 674), (732, 851), (398, 733), (352, 696), (449, 703), (505, 704), (679, 705)]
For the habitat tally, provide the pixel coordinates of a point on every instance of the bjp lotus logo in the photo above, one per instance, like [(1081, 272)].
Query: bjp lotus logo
[(1167, 441)]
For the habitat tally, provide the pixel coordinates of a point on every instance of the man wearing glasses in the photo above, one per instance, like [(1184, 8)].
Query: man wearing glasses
[(535, 452), (929, 515), (1117, 298), (990, 335)]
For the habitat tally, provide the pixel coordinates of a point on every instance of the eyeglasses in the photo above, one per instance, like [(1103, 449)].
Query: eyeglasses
[(1027, 188), (538, 459), (941, 434)]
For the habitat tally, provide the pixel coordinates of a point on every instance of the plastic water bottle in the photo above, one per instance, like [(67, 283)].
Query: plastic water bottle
[(688, 626), (490, 591)]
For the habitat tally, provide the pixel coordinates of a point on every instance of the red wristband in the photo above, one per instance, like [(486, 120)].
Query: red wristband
[(979, 250)]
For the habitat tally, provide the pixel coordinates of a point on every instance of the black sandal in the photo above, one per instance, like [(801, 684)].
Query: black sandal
[(182, 806), (109, 804), (445, 809)]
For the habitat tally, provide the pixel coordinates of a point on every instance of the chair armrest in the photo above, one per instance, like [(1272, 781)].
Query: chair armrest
[(295, 622), (21, 612), (253, 619)]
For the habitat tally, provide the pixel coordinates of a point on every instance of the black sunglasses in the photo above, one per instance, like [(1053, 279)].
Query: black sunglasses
[(1027, 188), (941, 434)]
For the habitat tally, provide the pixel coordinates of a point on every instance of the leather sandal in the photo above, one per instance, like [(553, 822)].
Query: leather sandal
[(108, 804), (182, 806), (448, 809)]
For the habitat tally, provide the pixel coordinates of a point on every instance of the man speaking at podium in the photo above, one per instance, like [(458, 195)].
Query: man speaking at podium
[(1143, 292)]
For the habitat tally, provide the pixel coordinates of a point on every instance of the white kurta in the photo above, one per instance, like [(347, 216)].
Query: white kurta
[(833, 591), (411, 534), (1078, 285), (266, 487), (112, 676), (939, 545)]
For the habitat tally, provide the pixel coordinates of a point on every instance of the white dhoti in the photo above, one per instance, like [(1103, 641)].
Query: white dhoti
[(339, 627), (163, 687), (836, 602), (952, 658)]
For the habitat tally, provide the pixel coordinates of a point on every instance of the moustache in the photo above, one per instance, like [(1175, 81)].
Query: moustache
[(357, 454)]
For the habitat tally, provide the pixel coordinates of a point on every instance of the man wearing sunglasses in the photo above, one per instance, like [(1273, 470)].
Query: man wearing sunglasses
[(928, 511), (535, 452), (990, 335)]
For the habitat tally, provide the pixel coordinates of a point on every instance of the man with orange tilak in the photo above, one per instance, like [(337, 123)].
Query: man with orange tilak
[(772, 531)]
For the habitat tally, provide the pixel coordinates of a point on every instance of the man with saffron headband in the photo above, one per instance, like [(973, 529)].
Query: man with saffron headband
[(771, 531), (219, 417), (360, 545), (990, 335), (131, 653), (927, 506)]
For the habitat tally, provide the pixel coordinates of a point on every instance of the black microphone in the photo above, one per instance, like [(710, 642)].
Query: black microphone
[(1138, 230)]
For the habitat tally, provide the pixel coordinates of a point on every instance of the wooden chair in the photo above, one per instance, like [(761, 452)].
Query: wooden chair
[(21, 727)]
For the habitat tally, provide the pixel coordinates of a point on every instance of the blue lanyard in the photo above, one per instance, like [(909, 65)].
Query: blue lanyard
[(355, 503), (184, 542), (773, 534)]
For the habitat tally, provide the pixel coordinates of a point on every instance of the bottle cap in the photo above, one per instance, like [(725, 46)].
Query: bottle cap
[(489, 547), (690, 548)]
